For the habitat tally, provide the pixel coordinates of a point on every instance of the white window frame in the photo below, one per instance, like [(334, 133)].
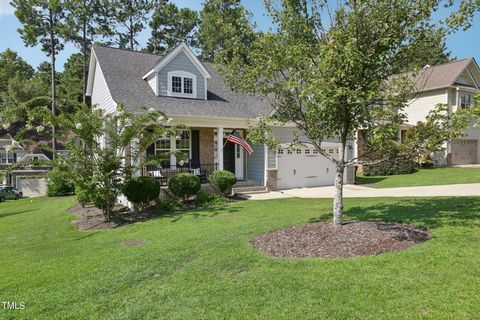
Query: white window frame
[(182, 75), (174, 145), (7, 159), (470, 100)]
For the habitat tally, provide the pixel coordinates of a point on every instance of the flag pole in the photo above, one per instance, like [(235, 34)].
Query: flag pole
[(227, 139)]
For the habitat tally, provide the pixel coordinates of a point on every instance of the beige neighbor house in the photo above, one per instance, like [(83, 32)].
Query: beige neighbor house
[(193, 94), (454, 84)]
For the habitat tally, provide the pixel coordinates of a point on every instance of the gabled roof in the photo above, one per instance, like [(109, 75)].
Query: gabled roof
[(170, 55), (440, 76), (124, 71)]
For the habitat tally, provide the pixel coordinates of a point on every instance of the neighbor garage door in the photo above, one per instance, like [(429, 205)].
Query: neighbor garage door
[(464, 151), (304, 167)]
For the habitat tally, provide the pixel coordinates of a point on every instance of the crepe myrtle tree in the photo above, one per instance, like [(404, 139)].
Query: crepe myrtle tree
[(328, 76), (106, 150)]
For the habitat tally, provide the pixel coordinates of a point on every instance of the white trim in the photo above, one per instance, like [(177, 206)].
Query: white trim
[(265, 164), (91, 72), (220, 147), (183, 75), (182, 47)]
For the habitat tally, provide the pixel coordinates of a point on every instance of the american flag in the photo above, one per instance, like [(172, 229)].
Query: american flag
[(234, 137)]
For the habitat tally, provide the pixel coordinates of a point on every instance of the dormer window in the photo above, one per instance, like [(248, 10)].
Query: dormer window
[(182, 84)]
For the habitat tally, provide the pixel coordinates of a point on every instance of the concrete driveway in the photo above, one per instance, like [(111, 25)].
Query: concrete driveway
[(350, 191)]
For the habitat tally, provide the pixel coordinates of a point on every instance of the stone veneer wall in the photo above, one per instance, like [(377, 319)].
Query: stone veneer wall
[(272, 179)]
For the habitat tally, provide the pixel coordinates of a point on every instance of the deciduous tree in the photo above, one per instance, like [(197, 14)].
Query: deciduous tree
[(323, 69)]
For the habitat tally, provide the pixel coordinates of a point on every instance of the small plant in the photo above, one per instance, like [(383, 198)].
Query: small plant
[(205, 200), (222, 180), (59, 183), (84, 195), (168, 204), (184, 185), (141, 191)]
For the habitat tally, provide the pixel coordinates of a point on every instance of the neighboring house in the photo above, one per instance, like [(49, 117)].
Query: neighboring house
[(454, 84), (193, 94), (24, 160)]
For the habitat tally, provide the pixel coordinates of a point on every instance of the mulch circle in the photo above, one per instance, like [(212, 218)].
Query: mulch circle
[(352, 239)]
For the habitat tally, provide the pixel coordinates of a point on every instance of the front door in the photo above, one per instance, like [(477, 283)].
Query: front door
[(229, 156)]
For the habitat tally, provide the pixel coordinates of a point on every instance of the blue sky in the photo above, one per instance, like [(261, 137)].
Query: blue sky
[(463, 44)]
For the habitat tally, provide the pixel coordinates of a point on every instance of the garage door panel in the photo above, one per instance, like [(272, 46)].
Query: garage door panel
[(464, 151), (304, 170)]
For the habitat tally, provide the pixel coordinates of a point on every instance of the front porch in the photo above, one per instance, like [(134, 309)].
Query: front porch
[(201, 153)]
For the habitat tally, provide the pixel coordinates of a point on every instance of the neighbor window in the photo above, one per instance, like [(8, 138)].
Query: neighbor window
[(6, 157), (465, 100)]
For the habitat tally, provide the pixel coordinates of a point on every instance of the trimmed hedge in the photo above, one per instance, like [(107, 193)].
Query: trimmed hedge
[(184, 185), (398, 165), (142, 190), (223, 180)]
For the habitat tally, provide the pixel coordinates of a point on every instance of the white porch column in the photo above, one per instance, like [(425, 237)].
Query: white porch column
[(220, 147)]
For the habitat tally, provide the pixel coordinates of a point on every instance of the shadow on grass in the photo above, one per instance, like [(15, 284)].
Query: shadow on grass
[(199, 213), (13, 213), (368, 180), (429, 213)]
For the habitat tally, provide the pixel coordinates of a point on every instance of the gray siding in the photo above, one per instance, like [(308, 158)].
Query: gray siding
[(180, 63), (256, 164)]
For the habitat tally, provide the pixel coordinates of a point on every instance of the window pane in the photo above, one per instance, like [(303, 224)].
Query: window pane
[(188, 85), (177, 84)]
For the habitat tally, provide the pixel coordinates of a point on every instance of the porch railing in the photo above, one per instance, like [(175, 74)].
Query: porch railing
[(202, 171)]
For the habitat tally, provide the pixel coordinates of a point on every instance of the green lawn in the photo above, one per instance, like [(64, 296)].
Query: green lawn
[(423, 177), (200, 265)]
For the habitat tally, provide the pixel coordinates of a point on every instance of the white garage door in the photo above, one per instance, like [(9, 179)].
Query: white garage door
[(304, 167), (464, 151)]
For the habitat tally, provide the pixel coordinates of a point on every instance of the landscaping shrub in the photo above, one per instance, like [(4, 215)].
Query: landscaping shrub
[(60, 183), (141, 190), (209, 200), (223, 180), (184, 185), (167, 203), (397, 165), (84, 195)]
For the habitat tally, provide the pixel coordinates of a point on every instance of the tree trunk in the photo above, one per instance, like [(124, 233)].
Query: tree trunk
[(339, 174), (338, 197), (84, 49), (53, 82)]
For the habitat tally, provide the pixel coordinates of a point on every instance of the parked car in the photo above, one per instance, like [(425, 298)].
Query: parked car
[(6, 194), (7, 187)]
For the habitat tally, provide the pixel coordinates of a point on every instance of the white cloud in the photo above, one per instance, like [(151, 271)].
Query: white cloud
[(5, 7)]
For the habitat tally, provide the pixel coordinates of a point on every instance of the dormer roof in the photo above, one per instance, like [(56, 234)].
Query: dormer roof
[(169, 56)]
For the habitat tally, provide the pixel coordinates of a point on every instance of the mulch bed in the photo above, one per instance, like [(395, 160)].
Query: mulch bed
[(352, 239), (91, 218)]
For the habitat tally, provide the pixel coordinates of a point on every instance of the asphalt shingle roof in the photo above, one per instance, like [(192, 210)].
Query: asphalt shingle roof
[(123, 71), (439, 76)]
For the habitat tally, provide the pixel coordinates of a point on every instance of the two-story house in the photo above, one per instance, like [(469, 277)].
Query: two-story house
[(193, 94), (23, 161), (455, 84)]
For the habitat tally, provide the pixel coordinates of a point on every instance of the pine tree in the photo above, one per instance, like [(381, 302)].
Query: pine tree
[(86, 20), (223, 21), (129, 18), (171, 25), (43, 23)]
